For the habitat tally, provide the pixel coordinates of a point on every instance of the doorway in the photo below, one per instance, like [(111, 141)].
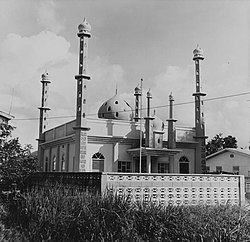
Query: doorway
[(143, 164), (184, 165)]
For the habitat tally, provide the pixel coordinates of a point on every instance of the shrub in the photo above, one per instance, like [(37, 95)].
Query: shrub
[(57, 214)]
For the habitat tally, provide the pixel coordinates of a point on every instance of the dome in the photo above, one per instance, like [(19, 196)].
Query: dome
[(158, 124), (116, 108), (84, 27), (149, 94), (45, 77), (137, 91), (198, 53)]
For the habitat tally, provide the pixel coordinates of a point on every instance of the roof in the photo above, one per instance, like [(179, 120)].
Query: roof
[(6, 115), (245, 152), (153, 151)]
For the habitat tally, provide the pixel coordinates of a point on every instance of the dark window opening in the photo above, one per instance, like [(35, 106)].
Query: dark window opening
[(184, 165), (98, 162), (124, 166), (219, 168), (163, 167)]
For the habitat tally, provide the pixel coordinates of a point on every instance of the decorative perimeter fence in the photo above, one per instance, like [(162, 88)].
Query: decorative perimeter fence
[(165, 189), (247, 183), (83, 181), (176, 189)]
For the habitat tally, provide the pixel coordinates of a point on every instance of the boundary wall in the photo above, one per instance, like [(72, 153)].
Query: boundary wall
[(176, 189)]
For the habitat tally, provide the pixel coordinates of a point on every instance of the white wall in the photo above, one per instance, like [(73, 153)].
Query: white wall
[(175, 189)]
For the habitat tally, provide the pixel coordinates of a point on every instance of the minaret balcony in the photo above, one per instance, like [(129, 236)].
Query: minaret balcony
[(44, 108), (198, 57), (45, 81), (149, 118), (84, 34), (171, 120), (82, 76), (199, 94)]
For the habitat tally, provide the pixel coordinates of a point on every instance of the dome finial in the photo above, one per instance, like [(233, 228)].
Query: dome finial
[(171, 97), (149, 95), (84, 26), (45, 75), (198, 53)]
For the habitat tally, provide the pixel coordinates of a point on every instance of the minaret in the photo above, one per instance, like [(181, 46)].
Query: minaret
[(137, 95), (171, 128), (200, 166), (148, 126), (81, 103), (43, 122)]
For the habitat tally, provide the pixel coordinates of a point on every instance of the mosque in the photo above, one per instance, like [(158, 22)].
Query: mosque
[(120, 139)]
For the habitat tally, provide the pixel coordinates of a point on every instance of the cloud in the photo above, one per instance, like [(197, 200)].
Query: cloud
[(46, 16), (228, 116), (105, 77), (22, 61), (180, 82)]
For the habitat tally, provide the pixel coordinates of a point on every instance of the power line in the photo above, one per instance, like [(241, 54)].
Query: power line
[(155, 107)]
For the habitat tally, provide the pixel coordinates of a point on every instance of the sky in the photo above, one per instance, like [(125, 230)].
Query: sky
[(131, 39)]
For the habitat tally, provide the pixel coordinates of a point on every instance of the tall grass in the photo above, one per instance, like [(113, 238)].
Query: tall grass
[(57, 214)]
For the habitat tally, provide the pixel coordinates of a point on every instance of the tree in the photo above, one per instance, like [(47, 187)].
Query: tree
[(16, 162), (230, 142), (218, 142)]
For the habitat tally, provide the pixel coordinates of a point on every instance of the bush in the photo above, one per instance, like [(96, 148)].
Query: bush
[(55, 214), (16, 162)]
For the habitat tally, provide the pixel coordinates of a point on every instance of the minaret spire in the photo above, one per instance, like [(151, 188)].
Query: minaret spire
[(200, 165), (43, 122), (116, 89), (171, 128), (148, 119), (137, 95), (81, 103)]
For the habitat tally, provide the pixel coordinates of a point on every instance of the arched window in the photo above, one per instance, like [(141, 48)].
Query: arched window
[(184, 165), (63, 163), (54, 163), (98, 162), (46, 164)]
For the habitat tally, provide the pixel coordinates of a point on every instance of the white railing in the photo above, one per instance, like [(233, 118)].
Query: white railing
[(176, 189)]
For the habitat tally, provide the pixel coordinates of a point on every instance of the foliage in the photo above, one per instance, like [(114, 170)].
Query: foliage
[(218, 142), (55, 214), (16, 162)]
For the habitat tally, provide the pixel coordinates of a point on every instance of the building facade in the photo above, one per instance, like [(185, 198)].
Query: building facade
[(120, 139), (5, 117), (231, 160)]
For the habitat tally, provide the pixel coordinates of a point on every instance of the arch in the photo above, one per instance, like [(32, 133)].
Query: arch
[(63, 163), (183, 159), (54, 163), (184, 165), (46, 164), (98, 162)]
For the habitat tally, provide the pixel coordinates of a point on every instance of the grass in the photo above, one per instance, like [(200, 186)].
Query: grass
[(57, 214)]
